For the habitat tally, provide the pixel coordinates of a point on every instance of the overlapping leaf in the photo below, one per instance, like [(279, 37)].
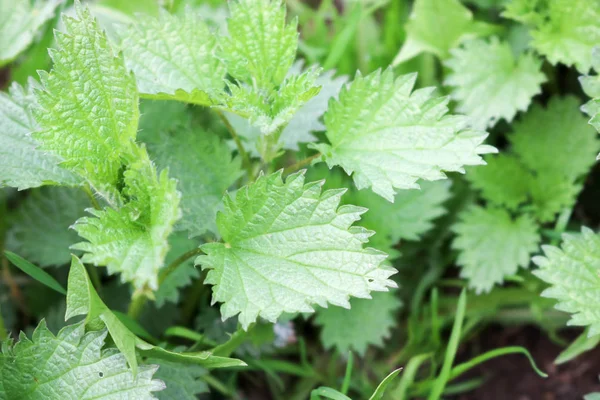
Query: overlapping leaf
[(489, 83), (389, 137), (591, 87), (493, 245), (182, 381), (288, 246)]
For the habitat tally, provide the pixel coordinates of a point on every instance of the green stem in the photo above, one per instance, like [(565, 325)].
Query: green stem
[(216, 384), (95, 277), (138, 301), (181, 259), (238, 143), (235, 341), (3, 332), (302, 163), (90, 194)]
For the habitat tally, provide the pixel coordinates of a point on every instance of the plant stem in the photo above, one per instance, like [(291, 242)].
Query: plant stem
[(235, 341), (302, 163), (216, 384), (181, 259), (3, 332), (90, 194), (138, 301), (93, 273), (238, 143)]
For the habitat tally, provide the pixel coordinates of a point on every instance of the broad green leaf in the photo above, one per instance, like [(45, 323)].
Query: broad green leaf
[(40, 228), (592, 396), (572, 273), (73, 366), (133, 239), (19, 22), (182, 381), (389, 138), (375, 317), (304, 122), (174, 58), (555, 140), (35, 272), (492, 245), (261, 46), (168, 290), (288, 246), (22, 164), (409, 217), (551, 193), (204, 168), (591, 87), (489, 83), (436, 26), (565, 31), (504, 181), (88, 89)]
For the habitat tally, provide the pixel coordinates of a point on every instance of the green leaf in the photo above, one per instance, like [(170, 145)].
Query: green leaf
[(72, 365), (504, 181), (88, 88), (591, 87), (133, 239), (205, 169), (19, 22), (35, 272), (388, 137), (381, 388), (493, 245), (565, 31), (261, 47), (409, 217), (40, 228), (173, 58), (436, 26), (182, 381), (22, 164), (376, 318), (550, 194), (288, 246), (582, 344), (490, 83), (572, 273), (555, 140)]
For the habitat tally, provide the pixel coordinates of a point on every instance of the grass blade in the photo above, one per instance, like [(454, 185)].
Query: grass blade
[(35, 272)]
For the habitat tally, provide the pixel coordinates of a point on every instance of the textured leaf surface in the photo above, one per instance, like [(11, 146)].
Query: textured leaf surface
[(493, 245), (72, 365), (133, 239), (591, 87), (572, 271), (556, 139), (504, 181), (565, 31), (489, 84), (388, 137), (375, 317), (19, 22), (40, 229), (90, 89), (261, 47), (204, 168), (410, 216), (22, 164), (288, 246), (182, 381), (436, 26), (174, 57)]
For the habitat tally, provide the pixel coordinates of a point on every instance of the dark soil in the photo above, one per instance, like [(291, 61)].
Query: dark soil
[(511, 377)]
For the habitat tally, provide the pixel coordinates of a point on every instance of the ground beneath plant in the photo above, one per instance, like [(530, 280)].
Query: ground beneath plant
[(511, 377)]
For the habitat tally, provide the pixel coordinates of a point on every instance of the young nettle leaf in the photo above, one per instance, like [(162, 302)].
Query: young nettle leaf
[(72, 365), (40, 229), (288, 246), (88, 107), (174, 58), (591, 87), (182, 381), (19, 23), (565, 31), (489, 84), (133, 239), (436, 26), (493, 245), (376, 317), (572, 273), (203, 165), (22, 164), (388, 136)]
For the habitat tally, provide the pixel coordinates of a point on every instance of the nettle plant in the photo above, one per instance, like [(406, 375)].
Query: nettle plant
[(232, 196)]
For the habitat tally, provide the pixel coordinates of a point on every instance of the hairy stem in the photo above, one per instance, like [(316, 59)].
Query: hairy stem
[(181, 259), (238, 143), (86, 188), (138, 301), (302, 163)]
